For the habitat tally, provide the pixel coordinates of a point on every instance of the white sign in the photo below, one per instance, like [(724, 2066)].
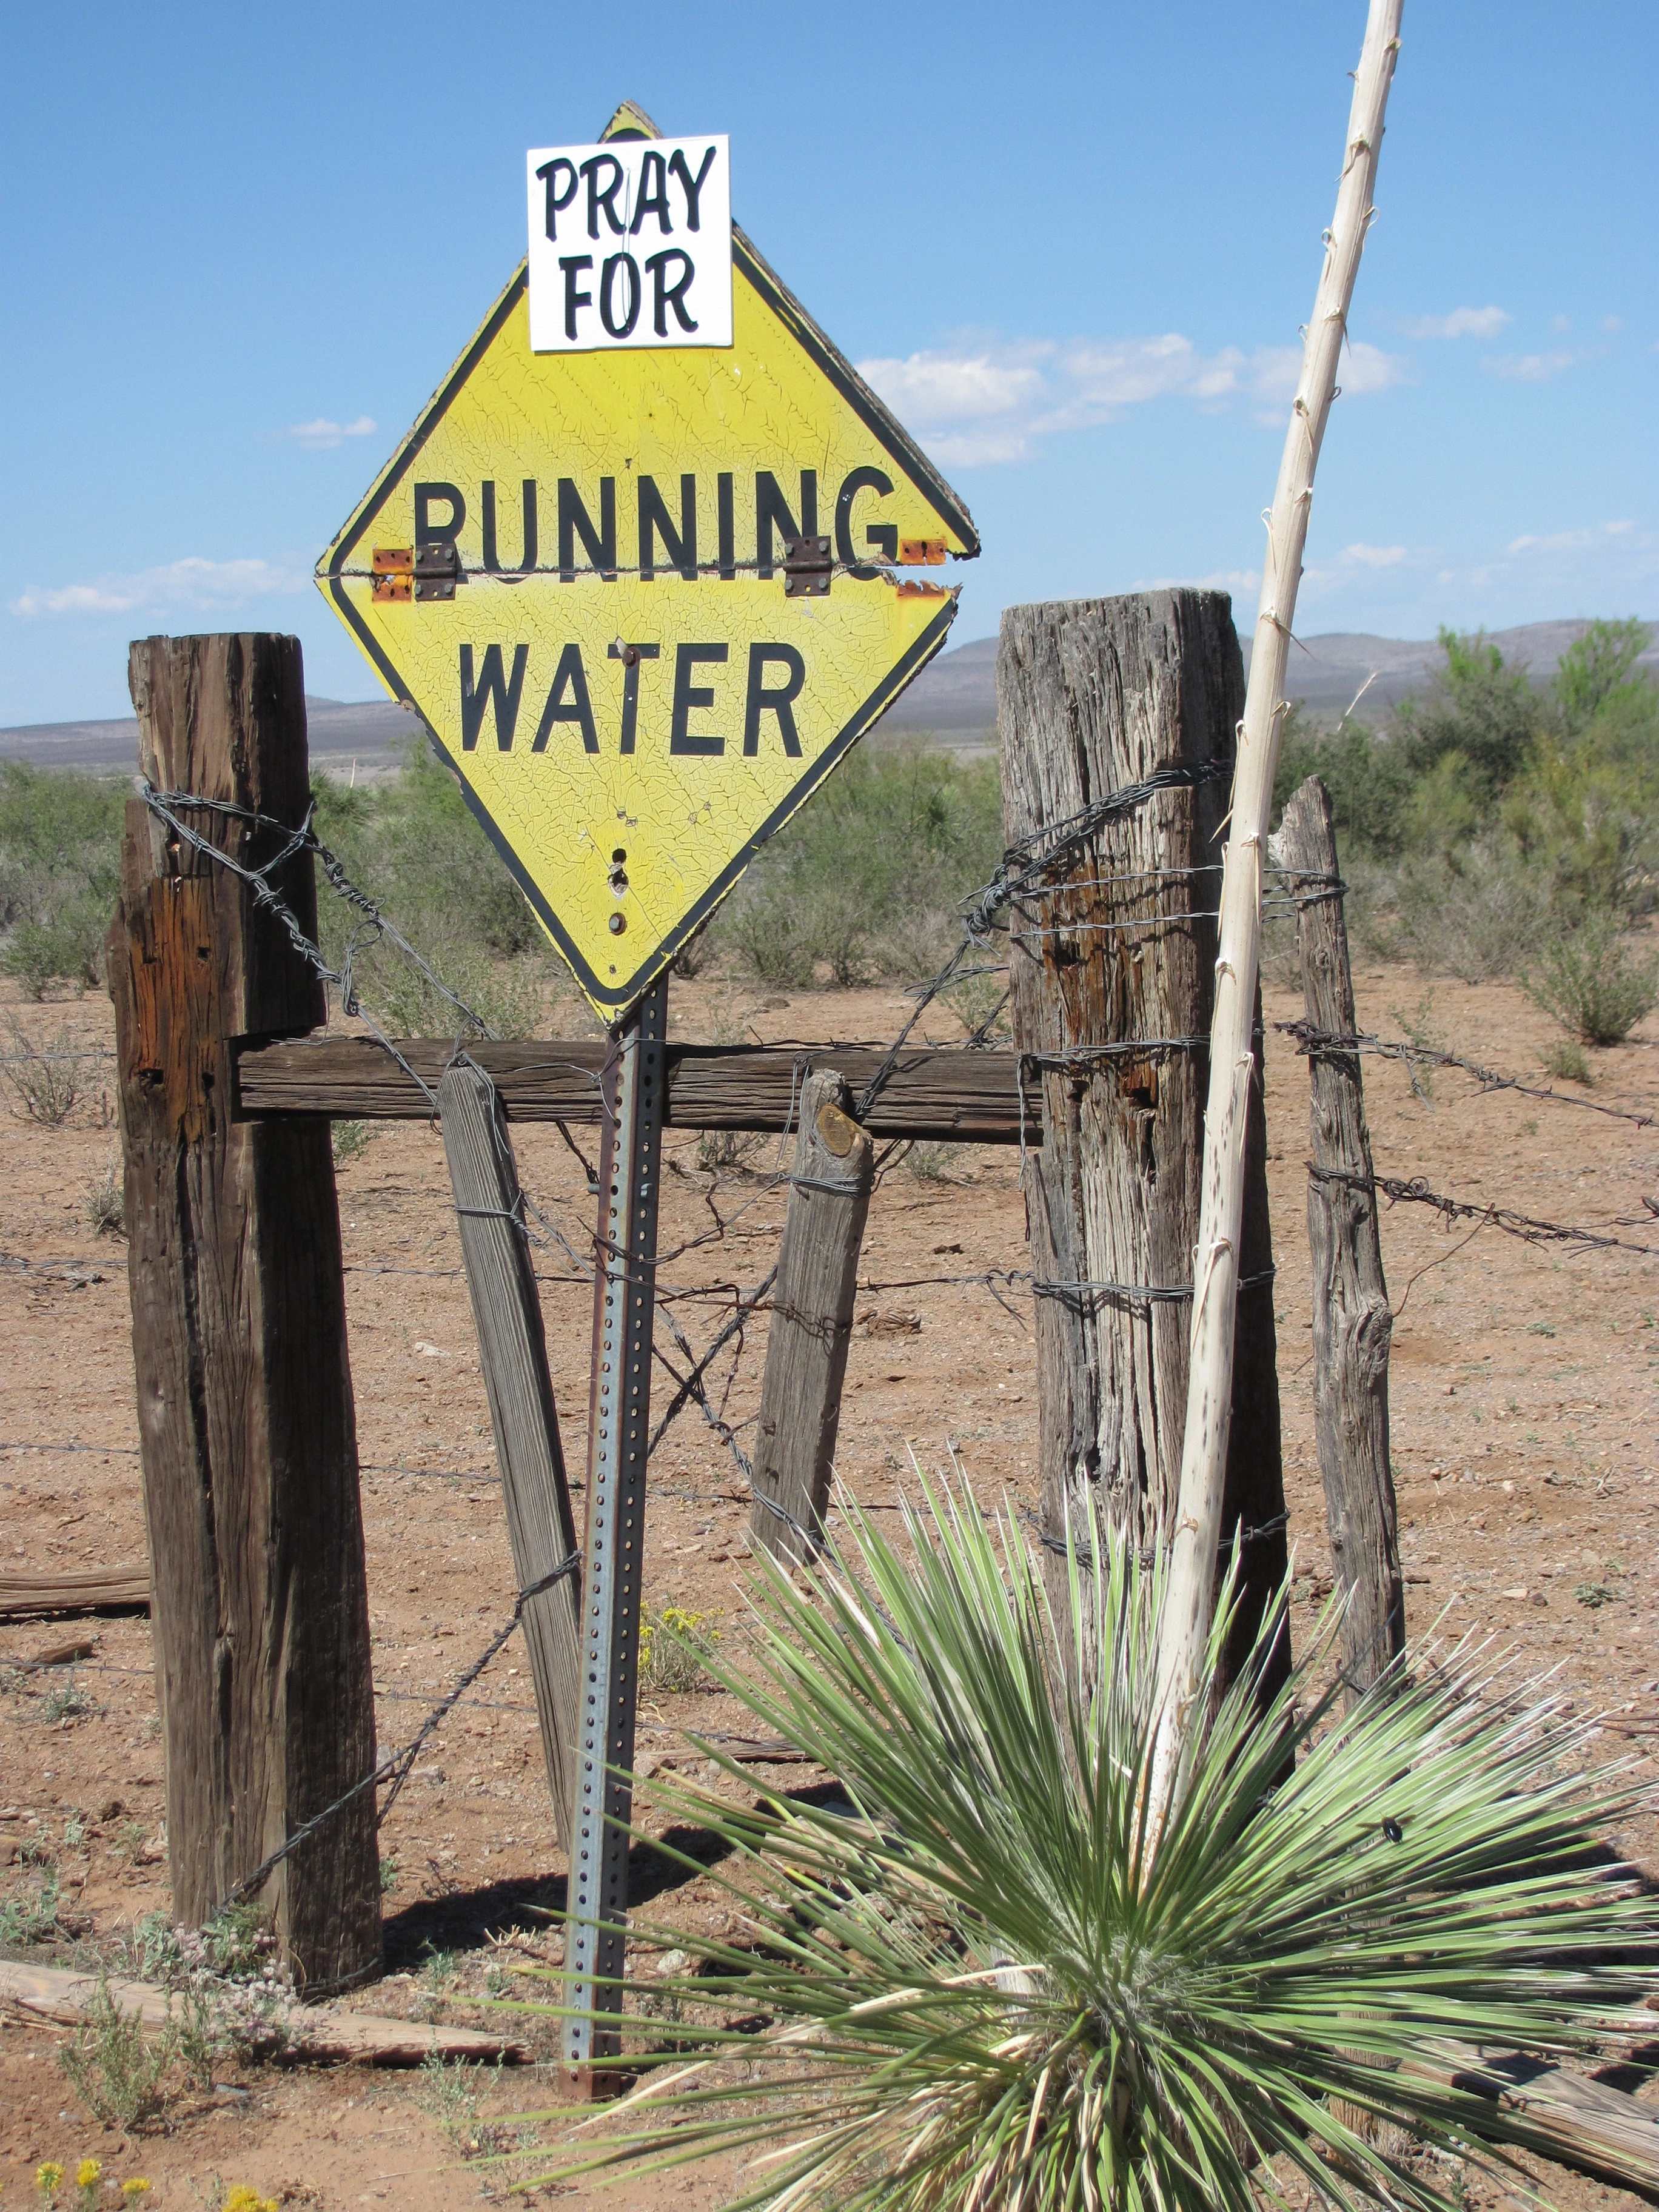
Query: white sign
[(630, 245)]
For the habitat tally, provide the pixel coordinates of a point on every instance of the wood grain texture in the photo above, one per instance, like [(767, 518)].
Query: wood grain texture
[(811, 1324), (93, 1589), (316, 2034), (947, 1093), (1119, 945), (1353, 1323), (512, 1348), (247, 1426)]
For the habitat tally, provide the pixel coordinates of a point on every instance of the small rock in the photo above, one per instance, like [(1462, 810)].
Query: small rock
[(111, 1809), (673, 1962), (893, 1324)]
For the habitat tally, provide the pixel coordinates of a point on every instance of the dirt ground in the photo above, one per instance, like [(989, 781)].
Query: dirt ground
[(1522, 1395)]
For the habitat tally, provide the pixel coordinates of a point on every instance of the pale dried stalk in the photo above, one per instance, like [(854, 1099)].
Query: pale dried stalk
[(1185, 1628)]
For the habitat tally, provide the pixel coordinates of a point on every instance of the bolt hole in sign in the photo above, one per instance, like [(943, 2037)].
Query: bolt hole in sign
[(630, 245)]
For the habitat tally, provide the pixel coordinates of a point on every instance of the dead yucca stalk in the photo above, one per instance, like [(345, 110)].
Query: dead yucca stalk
[(1182, 1682)]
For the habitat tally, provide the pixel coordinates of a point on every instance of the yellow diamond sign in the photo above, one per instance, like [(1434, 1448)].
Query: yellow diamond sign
[(645, 600)]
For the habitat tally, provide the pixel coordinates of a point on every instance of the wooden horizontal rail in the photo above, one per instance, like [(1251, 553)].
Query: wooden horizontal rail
[(98, 1589), (943, 1092)]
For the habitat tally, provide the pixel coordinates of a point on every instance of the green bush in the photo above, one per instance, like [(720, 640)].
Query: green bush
[(1511, 822), (1478, 707), (866, 880), (60, 858), (1592, 985), (1369, 780)]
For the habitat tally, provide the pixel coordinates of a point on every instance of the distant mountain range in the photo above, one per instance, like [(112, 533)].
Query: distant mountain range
[(953, 699)]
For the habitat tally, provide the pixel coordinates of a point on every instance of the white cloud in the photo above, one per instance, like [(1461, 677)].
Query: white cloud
[(1461, 323), (1575, 541), (1613, 324), (1368, 369), (945, 387), (1373, 556), (322, 433), (1529, 368), (1243, 583), (185, 586), (992, 401)]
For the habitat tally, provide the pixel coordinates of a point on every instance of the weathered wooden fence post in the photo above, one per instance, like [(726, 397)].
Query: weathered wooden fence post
[(512, 1350), (811, 1321), (1352, 1324), (1112, 972), (244, 1410)]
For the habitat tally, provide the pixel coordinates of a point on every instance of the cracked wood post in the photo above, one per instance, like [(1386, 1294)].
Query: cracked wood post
[(246, 1420), (512, 1350), (1092, 695), (812, 1322), (1184, 1634), (1351, 1320)]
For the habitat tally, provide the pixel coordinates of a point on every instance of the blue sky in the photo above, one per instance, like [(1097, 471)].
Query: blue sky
[(1072, 245)]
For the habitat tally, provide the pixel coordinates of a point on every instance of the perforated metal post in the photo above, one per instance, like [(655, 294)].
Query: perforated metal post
[(617, 1429)]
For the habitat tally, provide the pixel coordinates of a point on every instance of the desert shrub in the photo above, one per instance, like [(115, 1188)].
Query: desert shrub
[(1368, 777), (29, 1914), (1505, 816), (1597, 674), (675, 1649), (103, 1203), (1565, 1060), (1592, 984), (866, 878), (60, 856), (118, 2072), (1478, 707), (1473, 912), (414, 845), (1584, 814), (45, 1082)]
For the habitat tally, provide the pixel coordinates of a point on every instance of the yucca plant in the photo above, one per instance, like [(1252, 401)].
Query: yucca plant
[(962, 1986)]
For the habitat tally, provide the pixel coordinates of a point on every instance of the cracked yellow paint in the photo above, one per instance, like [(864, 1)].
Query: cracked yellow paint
[(629, 468)]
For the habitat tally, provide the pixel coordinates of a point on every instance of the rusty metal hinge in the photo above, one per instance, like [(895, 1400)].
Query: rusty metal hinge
[(437, 570), (394, 572), (806, 568)]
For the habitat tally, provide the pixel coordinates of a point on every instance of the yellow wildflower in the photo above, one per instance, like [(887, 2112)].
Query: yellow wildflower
[(135, 2188), (87, 2174), (49, 2179), (245, 2198)]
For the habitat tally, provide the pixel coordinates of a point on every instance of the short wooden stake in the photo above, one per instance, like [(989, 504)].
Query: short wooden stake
[(512, 1347), (812, 1322), (245, 1422), (1352, 1324)]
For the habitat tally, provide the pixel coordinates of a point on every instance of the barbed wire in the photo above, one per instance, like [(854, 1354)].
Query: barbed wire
[(1023, 866), (1025, 874), (1414, 1191), (398, 1767), (1315, 1043)]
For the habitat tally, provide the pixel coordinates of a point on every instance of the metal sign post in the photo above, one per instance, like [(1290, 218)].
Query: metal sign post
[(619, 1424)]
